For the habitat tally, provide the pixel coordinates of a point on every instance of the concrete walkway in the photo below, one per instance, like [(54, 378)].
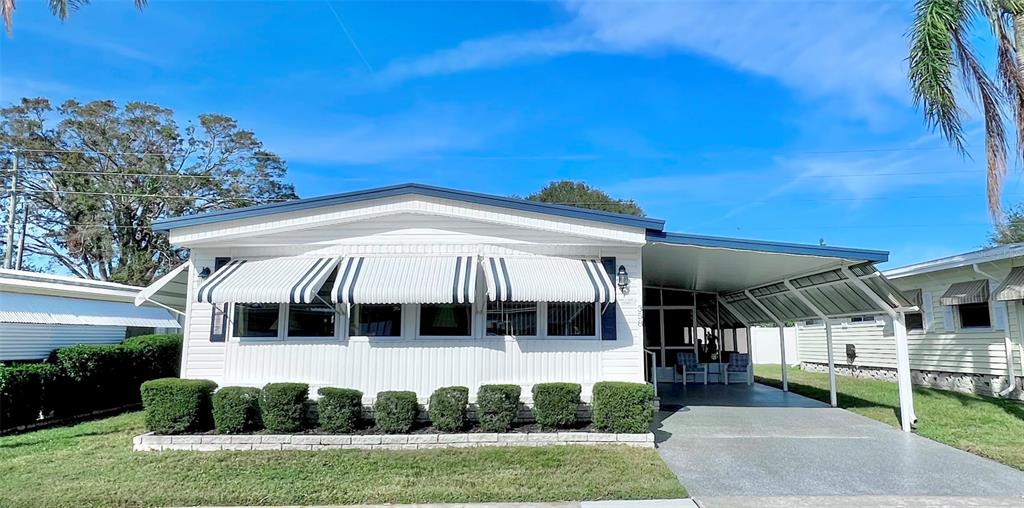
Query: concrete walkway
[(739, 440)]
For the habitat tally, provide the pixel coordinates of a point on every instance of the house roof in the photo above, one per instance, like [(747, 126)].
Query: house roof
[(999, 253), (409, 189), (876, 256), (18, 281)]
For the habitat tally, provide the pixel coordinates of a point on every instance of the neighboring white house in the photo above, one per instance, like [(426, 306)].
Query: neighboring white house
[(966, 336), (42, 312), (415, 287)]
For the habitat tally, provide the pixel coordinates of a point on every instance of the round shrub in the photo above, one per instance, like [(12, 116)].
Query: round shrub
[(497, 406), (236, 409), (176, 406), (448, 408), (623, 407), (395, 412), (340, 409), (283, 406), (555, 404)]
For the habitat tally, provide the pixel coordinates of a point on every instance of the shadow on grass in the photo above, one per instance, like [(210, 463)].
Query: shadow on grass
[(843, 400)]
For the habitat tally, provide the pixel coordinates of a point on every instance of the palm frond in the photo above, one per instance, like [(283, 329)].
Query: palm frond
[(7, 10), (932, 63), (984, 91), (62, 8)]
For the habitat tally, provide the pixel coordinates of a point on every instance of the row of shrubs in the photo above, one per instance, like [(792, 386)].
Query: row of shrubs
[(178, 406), (80, 379)]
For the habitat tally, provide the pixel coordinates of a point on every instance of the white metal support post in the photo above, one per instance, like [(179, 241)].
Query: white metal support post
[(782, 336), (833, 398), (899, 324)]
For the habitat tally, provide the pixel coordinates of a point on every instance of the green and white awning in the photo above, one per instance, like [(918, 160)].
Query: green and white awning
[(1013, 287), (960, 293)]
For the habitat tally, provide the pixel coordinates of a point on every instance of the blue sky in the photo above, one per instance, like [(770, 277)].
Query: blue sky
[(766, 120)]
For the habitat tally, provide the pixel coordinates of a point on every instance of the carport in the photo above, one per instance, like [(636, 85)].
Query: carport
[(757, 283)]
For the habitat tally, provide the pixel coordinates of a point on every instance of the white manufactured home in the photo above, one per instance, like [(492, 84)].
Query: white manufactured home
[(966, 335), (41, 312), (413, 287)]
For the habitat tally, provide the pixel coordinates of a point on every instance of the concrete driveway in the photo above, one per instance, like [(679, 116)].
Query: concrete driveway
[(741, 440)]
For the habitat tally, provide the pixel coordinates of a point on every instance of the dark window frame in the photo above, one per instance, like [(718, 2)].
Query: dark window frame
[(975, 313)]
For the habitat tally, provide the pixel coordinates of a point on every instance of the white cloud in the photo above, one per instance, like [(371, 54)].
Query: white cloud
[(850, 50)]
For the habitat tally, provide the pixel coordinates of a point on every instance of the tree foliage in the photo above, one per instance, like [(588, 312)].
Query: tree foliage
[(59, 8), (579, 194), (1010, 230), (96, 175), (941, 52)]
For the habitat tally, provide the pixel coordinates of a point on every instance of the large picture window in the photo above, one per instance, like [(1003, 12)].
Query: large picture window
[(310, 320), (446, 320), (512, 318), (256, 319), (376, 321), (571, 319)]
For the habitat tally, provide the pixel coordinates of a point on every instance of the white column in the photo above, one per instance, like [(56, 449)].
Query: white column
[(782, 344), (750, 358), (907, 416), (833, 398)]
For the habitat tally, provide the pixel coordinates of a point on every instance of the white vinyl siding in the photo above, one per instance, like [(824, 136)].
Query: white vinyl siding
[(29, 341), (942, 347)]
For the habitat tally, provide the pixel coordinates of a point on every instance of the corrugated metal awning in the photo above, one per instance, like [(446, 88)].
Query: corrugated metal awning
[(57, 310), (423, 279), (170, 291), (275, 280), (1012, 288), (971, 291), (547, 279)]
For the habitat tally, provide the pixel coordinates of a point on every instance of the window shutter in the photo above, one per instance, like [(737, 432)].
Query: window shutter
[(1001, 316), (926, 310), (948, 324), (218, 316), (609, 317)]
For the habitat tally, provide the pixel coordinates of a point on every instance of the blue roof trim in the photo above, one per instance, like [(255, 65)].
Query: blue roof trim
[(876, 256), (407, 189)]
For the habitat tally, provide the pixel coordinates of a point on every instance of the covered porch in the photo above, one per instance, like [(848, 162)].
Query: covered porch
[(702, 294)]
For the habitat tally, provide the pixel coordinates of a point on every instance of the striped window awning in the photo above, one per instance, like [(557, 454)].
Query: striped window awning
[(547, 279), (960, 293), (1012, 288), (275, 280), (384, 280)]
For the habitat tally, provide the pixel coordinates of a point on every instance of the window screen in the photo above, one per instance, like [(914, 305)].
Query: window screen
[(446, 320), (571, 319), (512, 318), (256, 319), (376, 320)]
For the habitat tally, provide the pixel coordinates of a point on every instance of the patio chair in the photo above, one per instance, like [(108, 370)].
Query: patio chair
[(687, 364), (739, 363)]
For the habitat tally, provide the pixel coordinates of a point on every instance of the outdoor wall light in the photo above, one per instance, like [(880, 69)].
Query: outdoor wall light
[(204, 273), (622, 278)]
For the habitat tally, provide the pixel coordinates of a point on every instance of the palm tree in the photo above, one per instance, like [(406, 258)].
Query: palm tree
[(59, 8), (939, 49)]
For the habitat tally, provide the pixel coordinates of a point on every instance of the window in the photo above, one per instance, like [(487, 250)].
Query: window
[(571, 319), (676, 298), (310, 320), (915, 321), (376, 321), (511, 318), (974, 315), (813, 322), (256, 319), (863, 319), (446, 320)]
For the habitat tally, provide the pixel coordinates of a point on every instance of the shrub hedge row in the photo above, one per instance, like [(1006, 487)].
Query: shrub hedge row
[(177, 405), (80, 379)]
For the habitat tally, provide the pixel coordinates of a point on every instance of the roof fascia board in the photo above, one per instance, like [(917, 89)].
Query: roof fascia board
[(403, 190), (958, 261), (875, 256)]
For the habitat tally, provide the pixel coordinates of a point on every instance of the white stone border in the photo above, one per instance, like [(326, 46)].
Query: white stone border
[(217, 442)]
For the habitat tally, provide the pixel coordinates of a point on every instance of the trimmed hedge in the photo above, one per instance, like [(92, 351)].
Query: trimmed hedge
[(283, 406), (395, 412), (622, 407), (448, 408), (341, 409), (177, 406), (21, 390), (497, 406), (236, 409), (555, 404), (155, 356)]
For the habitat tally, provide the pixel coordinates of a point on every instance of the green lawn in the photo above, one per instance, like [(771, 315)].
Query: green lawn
[(987, 427), (92, 464)]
